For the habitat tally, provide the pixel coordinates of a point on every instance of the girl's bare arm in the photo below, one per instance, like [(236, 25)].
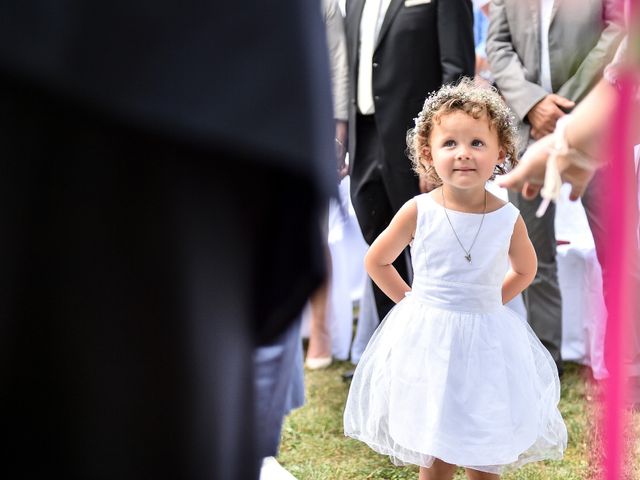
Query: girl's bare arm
[(387, 247), (524, 263)]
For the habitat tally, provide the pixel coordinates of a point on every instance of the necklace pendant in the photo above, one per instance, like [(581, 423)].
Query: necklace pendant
[(468, 257)]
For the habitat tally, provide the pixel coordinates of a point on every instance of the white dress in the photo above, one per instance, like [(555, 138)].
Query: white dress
[(451, 373)]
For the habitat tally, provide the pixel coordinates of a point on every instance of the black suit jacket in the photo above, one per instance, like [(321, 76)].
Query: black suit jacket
[(419, 48)]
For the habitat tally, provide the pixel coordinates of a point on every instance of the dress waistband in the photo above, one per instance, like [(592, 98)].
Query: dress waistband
[(461, 297)]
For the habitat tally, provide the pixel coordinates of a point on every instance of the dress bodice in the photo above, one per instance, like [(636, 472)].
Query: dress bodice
[(442, 274)]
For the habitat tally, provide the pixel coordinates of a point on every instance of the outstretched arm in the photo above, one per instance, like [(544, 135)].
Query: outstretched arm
[(387, 247), (584, 134), (524, 263)]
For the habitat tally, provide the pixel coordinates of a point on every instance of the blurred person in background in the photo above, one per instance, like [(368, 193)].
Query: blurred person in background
[(546, 56), (279, 377), (580, 149), (319, 352), (399, 51)]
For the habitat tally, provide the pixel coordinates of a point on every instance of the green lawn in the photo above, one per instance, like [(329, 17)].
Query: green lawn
[(314, 447)]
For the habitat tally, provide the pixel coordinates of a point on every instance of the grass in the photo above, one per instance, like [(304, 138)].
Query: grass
[(315, 448)]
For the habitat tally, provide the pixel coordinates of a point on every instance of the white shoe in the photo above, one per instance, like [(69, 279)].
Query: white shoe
[(317, 363), (272, 470)]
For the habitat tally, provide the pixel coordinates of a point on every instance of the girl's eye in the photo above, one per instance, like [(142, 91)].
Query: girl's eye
[(449, 143), (477, 143)]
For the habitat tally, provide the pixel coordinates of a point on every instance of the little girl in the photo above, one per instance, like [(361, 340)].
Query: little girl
[(452, 377)]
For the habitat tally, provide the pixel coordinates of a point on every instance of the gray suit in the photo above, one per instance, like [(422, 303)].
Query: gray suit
[(583, 37)]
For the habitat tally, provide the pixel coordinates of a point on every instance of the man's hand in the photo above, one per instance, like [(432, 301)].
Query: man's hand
[(544, 114), (341, 148)]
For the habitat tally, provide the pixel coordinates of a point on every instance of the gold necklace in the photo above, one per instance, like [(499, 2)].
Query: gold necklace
[(484, 212)]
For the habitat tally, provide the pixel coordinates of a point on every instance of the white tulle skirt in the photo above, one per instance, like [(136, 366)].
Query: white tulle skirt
[(476, 390)]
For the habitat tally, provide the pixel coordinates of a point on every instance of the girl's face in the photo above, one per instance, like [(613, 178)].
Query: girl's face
[(463, 150)]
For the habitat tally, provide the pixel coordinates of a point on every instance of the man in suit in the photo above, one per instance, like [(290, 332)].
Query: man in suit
[(545, 56), (399, 51), (158, 221)]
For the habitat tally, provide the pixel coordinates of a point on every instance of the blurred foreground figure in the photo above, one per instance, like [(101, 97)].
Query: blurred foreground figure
[(161, 176)]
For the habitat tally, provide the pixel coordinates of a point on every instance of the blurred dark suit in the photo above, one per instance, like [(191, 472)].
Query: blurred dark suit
[(161, 171)]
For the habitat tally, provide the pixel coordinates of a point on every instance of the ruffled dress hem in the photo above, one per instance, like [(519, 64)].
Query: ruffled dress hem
[(497, 467)]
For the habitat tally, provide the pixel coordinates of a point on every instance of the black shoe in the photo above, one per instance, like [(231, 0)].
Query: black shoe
[(348, 375)]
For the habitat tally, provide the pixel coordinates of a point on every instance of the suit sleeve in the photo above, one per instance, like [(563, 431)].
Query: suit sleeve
[(455, 37), (590, 70), (337, 45), (506, 67)]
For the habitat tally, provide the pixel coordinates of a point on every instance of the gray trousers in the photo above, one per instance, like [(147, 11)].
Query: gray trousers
[(542, 298)]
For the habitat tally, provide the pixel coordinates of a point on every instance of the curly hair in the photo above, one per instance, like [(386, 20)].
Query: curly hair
[(473, 100)]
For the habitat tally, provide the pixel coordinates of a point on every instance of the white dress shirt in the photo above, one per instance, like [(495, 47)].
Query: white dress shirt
[(546, 8), (370, 23)]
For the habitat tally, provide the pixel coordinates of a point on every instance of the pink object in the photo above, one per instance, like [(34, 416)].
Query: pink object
[(620, 241)]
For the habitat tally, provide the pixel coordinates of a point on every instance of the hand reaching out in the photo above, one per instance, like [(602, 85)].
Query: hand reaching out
[(528, 177)]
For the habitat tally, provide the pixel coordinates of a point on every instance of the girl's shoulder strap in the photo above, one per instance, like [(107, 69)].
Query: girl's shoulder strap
[(506, 211), (425, 205), (424, 202), (512, 209), (511, 213)]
